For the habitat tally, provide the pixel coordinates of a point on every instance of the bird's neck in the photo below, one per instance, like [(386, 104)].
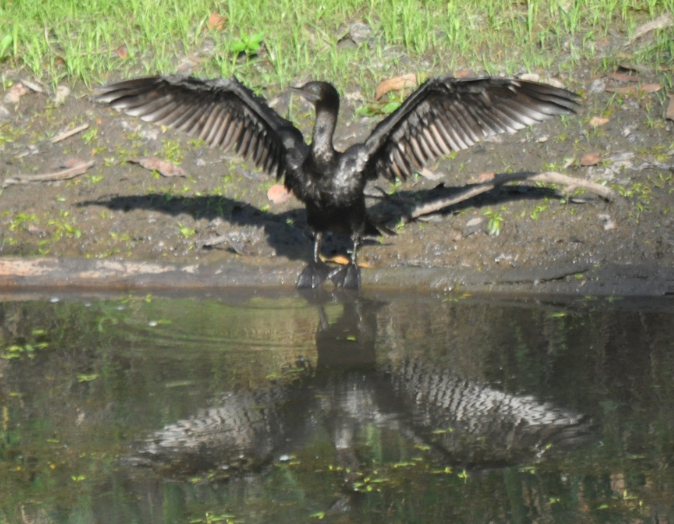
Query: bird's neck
[(322, 149)]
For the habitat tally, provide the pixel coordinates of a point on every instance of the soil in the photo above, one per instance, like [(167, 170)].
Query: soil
[(123, 212)]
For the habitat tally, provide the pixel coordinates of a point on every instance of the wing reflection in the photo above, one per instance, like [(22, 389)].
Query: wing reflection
[(465, 422)]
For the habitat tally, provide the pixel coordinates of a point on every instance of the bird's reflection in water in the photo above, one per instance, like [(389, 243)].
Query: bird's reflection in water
[(464, 422)]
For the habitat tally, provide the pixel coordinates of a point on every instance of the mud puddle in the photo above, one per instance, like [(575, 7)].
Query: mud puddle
[(274, 407)]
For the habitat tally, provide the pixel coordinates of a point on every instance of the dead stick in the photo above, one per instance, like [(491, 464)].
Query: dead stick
[(69, 133), (66, 174), (550, 177)]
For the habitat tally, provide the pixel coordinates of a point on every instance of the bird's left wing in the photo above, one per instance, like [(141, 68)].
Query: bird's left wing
[(446, 114), (223, 112)]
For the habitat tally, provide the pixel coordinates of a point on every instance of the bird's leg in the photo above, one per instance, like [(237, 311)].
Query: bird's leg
[(317, 271), (318, 240), (348, 277)]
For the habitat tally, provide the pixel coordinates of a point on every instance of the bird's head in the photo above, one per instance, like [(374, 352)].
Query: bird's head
[(318, 93)]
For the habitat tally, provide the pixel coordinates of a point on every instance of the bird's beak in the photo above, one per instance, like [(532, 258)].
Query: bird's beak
[(310, 97)]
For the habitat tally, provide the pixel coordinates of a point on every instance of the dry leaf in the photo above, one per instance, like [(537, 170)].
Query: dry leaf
[(395, 83), (651, 88), (122, 51), (216, 21), (599, 121), (661, 22), (590, 159), (632, 90), (464, 73), (623, 77), (73, 162), (15, 93), (485, 177), (165, 168), (670, 108), (278, 194)]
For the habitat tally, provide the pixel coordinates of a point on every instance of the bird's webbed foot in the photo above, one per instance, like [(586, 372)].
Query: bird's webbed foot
[(346, 277), (314, 275)]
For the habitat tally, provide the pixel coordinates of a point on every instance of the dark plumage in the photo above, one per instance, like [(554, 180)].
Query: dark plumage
[(444, 114)]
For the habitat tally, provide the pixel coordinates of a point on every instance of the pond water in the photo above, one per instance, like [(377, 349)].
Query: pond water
[(277, 407)]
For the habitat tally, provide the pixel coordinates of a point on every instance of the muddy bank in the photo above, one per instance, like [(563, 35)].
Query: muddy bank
[(107, 275), (527, 236)]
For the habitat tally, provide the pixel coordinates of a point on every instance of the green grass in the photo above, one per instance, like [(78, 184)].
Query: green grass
[(77, 40)]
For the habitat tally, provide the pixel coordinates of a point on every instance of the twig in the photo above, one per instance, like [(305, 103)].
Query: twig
[(69, 133), (550, 177), (66, 174)]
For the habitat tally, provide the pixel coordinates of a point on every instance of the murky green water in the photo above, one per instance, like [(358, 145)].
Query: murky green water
[(282, 408)]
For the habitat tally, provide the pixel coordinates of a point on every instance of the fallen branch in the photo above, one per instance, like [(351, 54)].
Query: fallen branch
[(66, 174), (549, 177), (68, 133)]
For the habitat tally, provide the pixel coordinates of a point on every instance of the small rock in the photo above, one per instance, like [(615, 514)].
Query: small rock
[(5, 115), (62, 92), (555, 83), (627, 131), (149, 134), (530, 77), (542, 139), (359, 32), (474, 222), (609, 223), (207, 47), (597, 86), (430, 175)]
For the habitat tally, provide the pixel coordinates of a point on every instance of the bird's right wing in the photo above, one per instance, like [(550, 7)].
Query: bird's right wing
[(447, 114), (223, 112)]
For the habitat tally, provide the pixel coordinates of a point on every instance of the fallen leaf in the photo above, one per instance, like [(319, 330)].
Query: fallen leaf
[(464, 73), (278, 194), (670, 108), (72, 162), (590, 159), (395, 83), (33, 86), (485, 177), (651, 88), (163, 167), (632, 90), (216, 21), (15, 93), (599, 121), (623, 77), (122, 51), (661, 22)]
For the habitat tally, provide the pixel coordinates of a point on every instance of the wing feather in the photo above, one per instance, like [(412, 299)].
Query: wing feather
[(446, 114), (221, 112)]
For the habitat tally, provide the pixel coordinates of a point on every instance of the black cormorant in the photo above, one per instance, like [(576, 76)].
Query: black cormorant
[(444, 114)]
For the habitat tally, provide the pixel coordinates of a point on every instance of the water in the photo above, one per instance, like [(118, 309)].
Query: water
[(275, 407)]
